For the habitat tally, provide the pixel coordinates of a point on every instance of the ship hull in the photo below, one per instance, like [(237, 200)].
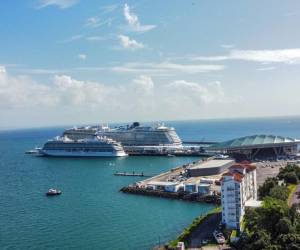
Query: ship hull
[(61, 153)]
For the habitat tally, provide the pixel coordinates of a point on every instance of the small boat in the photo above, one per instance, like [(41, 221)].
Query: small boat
[(52, 192), (170, 155), (35, 151)]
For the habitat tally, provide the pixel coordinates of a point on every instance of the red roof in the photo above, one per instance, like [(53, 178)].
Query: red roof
[(237, 166), (236, 176), (245, 162), (248, 167)]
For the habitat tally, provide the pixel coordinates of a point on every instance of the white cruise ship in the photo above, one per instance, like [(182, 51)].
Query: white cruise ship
[(95, 147), (133, 135)]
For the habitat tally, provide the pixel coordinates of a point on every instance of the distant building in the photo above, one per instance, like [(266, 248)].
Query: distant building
[(258, 147), (238, 187)]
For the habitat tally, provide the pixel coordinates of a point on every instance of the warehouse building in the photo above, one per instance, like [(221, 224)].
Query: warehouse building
[(211, 167)]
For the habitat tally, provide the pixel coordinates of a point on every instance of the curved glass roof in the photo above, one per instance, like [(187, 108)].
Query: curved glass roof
[(255, 140)]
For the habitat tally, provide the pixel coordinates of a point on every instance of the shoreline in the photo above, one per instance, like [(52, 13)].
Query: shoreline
[(211, 199), (192, 235)]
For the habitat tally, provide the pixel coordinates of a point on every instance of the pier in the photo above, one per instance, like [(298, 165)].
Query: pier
[(189, 151), (131, 174)]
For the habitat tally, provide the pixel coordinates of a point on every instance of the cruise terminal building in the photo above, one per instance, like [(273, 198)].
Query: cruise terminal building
[(258, 147)]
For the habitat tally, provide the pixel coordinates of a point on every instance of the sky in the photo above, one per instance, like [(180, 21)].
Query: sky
[(68, 62)]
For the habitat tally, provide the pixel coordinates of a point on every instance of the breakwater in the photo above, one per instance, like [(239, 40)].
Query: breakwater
[(214, 199)]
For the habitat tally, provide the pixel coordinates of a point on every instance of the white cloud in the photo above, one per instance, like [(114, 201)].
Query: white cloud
[(96, 38), (129, 44), (227, 46), (71, 39), (210, 58), (63, 4), (2, 70), (96, 22), (90, 22), (266, 68), (82, 56), (283, 56), (22, 92), (41, 71), (164, 67), (198, 93), (133, 21), (190, 68), (262, 56), (68, 100), (74, 92), (109, 8), (144, 83)]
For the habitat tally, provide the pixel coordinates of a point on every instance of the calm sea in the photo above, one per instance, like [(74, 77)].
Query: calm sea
[(92, 213)]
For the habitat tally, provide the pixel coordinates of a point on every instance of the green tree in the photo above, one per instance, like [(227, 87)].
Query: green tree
[(291, 177), (289, 241), (272, 211), (284, 226), (294, 215), (279, 192), (259, 240), (291, 173), (251, 219), (264, 190)]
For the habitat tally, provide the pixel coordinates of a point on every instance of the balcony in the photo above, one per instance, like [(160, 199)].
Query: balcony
[(230, 195)]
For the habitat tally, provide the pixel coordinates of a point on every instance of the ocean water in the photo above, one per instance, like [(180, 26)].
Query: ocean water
[(92, 213)]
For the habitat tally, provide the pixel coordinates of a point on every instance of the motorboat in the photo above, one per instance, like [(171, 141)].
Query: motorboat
[(52, 192)]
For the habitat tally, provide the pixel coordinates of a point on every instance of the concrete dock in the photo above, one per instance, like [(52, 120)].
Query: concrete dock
[(203, 184), (178, 184)]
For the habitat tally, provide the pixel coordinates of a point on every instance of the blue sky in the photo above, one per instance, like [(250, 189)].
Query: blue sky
[(74, 61)]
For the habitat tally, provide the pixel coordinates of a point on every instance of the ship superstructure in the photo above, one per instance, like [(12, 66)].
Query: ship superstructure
[(131, 135)]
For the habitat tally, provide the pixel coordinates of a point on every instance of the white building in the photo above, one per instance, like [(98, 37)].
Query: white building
[(238, 186), (164, 186), (197, 186), (191, 185)]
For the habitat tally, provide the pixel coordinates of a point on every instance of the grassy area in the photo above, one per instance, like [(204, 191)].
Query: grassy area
[(234, 233), (242, 225), (292, 189), (184, 236)]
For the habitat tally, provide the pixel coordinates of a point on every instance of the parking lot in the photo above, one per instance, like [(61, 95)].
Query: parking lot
[(267, 169)]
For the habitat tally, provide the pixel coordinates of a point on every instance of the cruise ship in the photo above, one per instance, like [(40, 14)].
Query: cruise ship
[(88, 147), (130, 135)]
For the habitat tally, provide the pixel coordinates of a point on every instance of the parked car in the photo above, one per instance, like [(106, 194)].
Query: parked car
[(219, 237)]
